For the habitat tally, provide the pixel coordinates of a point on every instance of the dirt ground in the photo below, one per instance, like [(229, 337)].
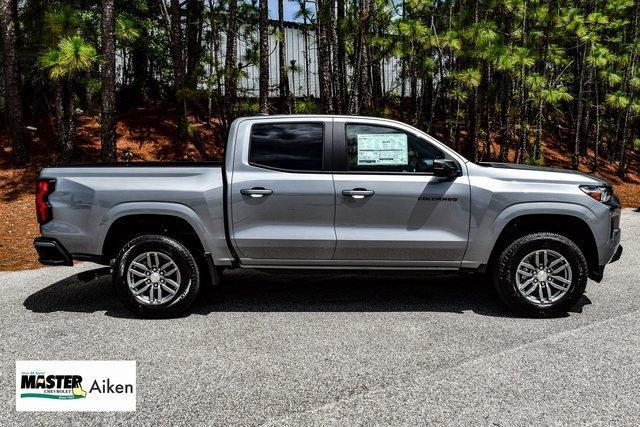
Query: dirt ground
[(147, 135)]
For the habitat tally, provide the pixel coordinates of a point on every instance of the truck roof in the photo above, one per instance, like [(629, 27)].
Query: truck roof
[(310, 116)]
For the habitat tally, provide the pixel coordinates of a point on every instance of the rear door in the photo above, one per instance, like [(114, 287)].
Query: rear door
[(390, 208), (281, 193)]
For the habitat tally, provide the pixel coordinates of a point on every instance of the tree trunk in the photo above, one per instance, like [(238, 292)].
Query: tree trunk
[(596, 139), (427, 107), (283, 79), (413, 94), (335, 42), (537, 146), (624, 143), (456, 135), (293, 94), (13, 102), (141, 73), (376, 83), (307, 68), (193, 41), (125, 68), (108, 115), (522, 134), (630, 71), (471, 152), (231, 59), (69, 142), (341, 57), (486, 111), (142, 91), (61, 122), (505, 101), (434, 103), (359, 84), (403, 61), (177, 59), (324, 14), (365, 82), (575, 159), (264, 56)]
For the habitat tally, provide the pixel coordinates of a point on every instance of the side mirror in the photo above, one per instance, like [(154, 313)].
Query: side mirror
[(445, 168)]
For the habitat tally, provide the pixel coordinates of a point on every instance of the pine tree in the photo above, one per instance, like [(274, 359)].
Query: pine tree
[(108, 115), (264, 56), (9, 30)]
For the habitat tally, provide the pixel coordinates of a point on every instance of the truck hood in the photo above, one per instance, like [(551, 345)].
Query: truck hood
[(542, 173)]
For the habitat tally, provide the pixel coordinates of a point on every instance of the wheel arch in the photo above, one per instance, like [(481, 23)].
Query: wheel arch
[(570, 225), (130, 220)]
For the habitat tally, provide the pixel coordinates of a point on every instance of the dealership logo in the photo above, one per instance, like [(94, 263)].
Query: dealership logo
[(75, 385), (52, 386)]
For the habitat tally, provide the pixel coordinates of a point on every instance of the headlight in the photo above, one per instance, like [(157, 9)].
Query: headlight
[(601, 193)]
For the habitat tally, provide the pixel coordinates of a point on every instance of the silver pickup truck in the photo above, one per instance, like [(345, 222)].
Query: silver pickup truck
[(331, 193)]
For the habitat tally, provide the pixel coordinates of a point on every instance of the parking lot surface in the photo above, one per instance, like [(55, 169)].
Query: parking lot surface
[(345, 349)]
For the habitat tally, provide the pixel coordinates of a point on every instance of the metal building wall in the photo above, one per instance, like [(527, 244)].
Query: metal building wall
[(248, 85), (295, 50)]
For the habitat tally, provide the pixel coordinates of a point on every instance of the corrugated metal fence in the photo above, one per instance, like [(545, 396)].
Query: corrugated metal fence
[(295, 43), (301, 83)]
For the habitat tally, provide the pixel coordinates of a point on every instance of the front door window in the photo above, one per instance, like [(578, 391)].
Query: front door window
[(384, 149)]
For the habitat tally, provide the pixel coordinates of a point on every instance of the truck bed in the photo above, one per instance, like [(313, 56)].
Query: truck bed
[(88, 199)]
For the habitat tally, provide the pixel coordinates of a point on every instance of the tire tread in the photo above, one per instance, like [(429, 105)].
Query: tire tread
[(504, 269)]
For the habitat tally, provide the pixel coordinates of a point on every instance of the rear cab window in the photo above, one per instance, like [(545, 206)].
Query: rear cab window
[(287, 146)]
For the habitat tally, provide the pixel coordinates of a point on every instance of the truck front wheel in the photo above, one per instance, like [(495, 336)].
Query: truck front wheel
[(541, 274), (156, 276)]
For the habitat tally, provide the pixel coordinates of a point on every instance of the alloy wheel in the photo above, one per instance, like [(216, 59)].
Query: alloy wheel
[(153, 278), (543, 277)]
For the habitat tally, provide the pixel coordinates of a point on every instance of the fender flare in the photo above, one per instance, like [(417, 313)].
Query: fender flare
[(483, 244), (540, 208), (150, 208)]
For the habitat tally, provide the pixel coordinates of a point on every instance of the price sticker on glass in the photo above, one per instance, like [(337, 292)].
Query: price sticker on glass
[(383, 149)]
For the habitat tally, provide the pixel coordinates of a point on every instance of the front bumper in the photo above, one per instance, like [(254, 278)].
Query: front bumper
[(597, 273), (610, 250), (614, 255), (52, 252), (617, 255)]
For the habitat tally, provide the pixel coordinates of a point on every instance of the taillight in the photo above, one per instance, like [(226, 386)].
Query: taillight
[(44, 187)]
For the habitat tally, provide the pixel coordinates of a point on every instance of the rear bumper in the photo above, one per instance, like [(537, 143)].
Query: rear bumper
[(52, 252)]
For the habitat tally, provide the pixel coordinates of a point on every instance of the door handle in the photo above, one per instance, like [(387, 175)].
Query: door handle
[(358, 193), (256, 192)]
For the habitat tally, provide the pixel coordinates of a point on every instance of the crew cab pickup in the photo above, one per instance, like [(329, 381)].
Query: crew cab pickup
[(332, 193)]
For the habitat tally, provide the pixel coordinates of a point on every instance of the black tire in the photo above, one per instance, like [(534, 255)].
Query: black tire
[(189, 283), (505, 274)]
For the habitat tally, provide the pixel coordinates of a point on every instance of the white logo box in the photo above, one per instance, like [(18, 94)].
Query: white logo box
[(76, 385)]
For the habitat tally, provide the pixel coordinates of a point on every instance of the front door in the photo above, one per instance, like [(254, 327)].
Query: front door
[(282, 195), (390, 208)]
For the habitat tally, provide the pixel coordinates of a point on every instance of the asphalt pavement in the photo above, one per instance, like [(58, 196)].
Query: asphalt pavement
[(346, 349)]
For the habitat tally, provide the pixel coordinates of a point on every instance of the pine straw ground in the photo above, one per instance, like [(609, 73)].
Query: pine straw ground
[(148, 135)]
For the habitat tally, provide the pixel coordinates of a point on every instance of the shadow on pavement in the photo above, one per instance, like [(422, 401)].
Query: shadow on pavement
[(252, 291), (85, 292)]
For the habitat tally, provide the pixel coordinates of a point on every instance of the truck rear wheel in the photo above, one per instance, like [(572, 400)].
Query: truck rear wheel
[(156, 276), (541, 274)]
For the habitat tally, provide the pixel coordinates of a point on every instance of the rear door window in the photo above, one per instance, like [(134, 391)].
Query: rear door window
[(287, 146)]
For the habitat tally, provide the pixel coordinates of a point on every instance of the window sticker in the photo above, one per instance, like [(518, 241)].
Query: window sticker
[(383, 149)]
